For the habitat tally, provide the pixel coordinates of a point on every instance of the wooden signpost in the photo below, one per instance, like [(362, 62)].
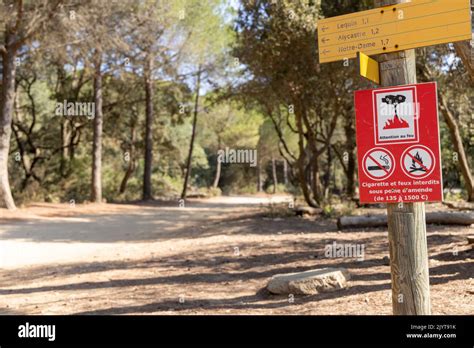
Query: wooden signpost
[(399, 26), (408, 25), (406, 222)]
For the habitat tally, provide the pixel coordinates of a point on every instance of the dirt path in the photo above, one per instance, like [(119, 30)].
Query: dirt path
[(211, 257), (52, 233)]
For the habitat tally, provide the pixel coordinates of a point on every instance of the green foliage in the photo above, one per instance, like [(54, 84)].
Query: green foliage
[(454, 85), (207, 36), (279, 189), (328, 210), (278, 100)]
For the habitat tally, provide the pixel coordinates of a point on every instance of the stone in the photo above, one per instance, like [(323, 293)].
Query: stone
[(309, 282), (304, 210)]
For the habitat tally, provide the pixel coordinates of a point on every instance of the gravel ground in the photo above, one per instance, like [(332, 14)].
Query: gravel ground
[(213, 256)]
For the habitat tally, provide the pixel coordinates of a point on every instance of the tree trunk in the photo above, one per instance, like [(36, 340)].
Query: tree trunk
[(24, 159), (147, 194), (316, 179), (301, 169), (71, 147), (351, 162), (259, 176), (193, 135), (96, 189), (62, 163), (463, 50), (274, 175), (458, 147), (310, 137), (285, 172), (327, 175), (218, 166), (218, 173), (7, 100), (131, 162), (379, 220)]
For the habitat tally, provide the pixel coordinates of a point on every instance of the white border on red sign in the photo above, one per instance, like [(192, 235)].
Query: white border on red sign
[(375, 115)]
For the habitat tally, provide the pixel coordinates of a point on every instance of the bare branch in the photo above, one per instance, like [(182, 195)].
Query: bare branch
[(19, 15)]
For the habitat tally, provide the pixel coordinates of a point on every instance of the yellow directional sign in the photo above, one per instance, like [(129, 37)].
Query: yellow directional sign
[(393, 28), (369, 68)]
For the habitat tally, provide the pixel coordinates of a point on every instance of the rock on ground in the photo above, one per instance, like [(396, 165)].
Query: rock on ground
[(309, 282), (303, 210)]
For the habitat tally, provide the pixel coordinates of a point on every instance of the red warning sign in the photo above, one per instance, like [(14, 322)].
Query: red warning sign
[(398, 144)]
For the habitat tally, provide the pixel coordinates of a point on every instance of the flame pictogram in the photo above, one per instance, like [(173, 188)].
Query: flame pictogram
[(396, 122)]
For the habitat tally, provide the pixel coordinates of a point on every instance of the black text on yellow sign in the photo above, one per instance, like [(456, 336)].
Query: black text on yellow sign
[(393, 28)]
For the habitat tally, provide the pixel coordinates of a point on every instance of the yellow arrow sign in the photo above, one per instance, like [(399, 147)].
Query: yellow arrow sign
[(369, 68), (393, 28)]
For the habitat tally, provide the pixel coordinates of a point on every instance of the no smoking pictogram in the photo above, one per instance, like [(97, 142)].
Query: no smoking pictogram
[(378, 164), (418, 162)]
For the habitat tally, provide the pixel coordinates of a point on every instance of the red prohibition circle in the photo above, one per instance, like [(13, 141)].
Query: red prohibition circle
[(407, 153), (368, 155)]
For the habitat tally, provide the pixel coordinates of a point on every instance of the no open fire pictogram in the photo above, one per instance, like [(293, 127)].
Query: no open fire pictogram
[(418, 162)]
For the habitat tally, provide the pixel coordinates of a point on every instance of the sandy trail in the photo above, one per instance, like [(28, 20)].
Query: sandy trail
[(58, 233), (212, 256)]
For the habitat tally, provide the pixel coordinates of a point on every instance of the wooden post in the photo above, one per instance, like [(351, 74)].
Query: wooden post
[(406, 221)]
